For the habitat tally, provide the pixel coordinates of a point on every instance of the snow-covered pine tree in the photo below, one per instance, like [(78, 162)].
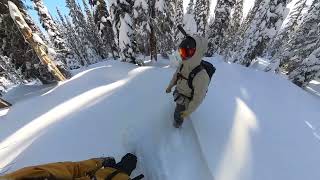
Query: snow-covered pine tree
[(236, 18), (303, 41), (308, 70), (219, 28), (178, 20), (232, 55), (304, 61), (82, 29), (76, 31), (280, 42), (153, 27), (190, 8), (189, 22), (72, 41), (92, 34), (49, 25), (141, 26), (121, 14), (14, 46), (104, 26), (229, 41), (8, 74), (265, 24), (165, 26), (248, 20), (201, 10), (61, 54)]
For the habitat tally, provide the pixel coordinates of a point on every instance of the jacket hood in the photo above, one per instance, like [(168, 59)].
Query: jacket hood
[(195, 60)]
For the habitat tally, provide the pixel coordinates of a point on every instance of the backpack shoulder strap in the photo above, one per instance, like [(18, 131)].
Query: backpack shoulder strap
[(181, 68), (193, 74), (180, 75)]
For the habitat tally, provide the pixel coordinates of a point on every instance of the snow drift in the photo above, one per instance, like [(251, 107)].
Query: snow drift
[(252, 125)]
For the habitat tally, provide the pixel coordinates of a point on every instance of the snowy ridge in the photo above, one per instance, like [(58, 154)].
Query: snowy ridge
[(245, 129)]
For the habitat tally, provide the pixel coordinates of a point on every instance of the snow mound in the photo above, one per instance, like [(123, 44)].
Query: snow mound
[(252, 125)]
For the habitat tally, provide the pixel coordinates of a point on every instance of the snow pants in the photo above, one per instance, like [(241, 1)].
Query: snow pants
[(182, 103), (83, 170), (177, 113)]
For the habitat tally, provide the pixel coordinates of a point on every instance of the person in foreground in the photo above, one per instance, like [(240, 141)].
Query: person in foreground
[(93, 169), (191, 78)]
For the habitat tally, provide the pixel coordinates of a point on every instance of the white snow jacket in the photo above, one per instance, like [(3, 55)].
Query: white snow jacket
[(201, 80)]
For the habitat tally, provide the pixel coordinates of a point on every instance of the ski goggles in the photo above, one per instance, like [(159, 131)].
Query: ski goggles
[(187, 48), (186, 53)]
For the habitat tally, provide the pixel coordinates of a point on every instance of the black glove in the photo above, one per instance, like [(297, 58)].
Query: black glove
[(127, 164), (108, 162)]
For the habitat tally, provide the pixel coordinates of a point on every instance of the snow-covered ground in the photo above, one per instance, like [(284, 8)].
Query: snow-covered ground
[(252, 125)]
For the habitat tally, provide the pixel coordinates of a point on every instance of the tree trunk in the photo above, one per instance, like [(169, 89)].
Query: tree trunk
[(35, 41)]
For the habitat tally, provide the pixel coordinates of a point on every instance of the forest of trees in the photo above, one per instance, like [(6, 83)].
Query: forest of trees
[(131, 30)]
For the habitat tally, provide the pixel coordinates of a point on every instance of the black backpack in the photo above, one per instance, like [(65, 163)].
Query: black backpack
[(204, 65)]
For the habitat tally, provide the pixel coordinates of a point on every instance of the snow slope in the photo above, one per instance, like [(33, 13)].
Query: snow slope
[(252, 125), (258, 127)]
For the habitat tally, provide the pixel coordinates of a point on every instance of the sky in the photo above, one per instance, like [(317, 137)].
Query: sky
[(51, 5)]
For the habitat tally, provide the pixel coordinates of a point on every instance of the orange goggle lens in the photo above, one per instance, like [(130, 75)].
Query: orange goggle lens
[(186, 53)]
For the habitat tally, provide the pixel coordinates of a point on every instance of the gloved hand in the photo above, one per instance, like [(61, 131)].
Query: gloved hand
[(108, 162), (168, 90), (184, 114), (127, 164)]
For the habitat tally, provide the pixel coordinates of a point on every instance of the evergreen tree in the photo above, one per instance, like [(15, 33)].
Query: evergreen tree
[(76, 31), (190, 8), (153, 29), (219, 28), (264, 26), (189, 22), (280, 43), (229, 41), (308, 70), (178, 20), (49, 25), (8, 74), (83, 33), (92, 35), (248, 20), (169, 34), (202, 9), (303, 41), (104, 26), (165, 25), (142, 26), (232, 55), (304, 54), (121, 13), (72, 42)]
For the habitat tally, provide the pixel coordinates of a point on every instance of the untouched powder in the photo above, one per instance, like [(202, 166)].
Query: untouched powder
[(252, 125)]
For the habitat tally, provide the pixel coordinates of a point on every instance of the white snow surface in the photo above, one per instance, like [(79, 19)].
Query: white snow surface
[(251, 126)]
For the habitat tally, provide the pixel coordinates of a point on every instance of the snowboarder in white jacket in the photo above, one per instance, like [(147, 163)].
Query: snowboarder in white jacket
[(191, 50)]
